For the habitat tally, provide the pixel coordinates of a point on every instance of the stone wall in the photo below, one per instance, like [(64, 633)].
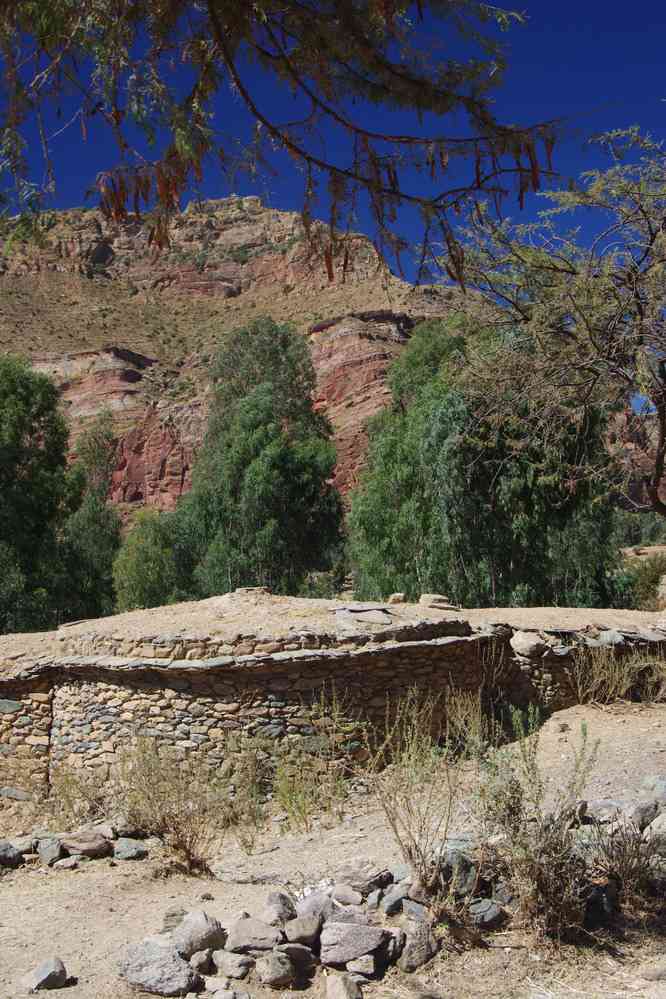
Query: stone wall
[(81, 709)]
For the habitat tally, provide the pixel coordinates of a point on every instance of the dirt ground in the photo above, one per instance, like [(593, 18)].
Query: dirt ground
[(87, 916)]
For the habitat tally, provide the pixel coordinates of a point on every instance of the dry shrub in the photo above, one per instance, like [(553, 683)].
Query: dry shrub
[(471, 727), (601, 676), (415, 784), (77, 795), (622, 855), (528, 846), (177, 800)]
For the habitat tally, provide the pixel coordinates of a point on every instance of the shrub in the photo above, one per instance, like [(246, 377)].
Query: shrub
[(530, 847), (602, 676), (645, 576), (415, 784)]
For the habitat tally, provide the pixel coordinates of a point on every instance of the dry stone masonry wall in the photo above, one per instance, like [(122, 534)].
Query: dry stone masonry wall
[(192, 691)]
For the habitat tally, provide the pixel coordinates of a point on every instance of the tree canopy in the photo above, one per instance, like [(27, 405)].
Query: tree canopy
[(584, 320), (152, 70)]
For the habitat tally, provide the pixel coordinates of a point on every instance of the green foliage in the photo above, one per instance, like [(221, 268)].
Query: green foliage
[(33, 491), (261, 510), (456, 502), (643, 579), (144, 572)]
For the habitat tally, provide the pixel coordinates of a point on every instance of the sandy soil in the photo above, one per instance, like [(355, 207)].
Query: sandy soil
[(87, 916)]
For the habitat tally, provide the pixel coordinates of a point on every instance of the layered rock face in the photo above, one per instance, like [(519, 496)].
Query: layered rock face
[(133, 331)]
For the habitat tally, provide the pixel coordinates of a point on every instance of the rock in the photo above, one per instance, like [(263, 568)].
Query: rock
[(317, 903), (15, 794), (155, 966), (302, 956), (601, 904), (654, 786), (653, 972), (50, 974), (252, 934), (342, 987), (278, 910), (201, 961), (642, 813), (49, 850), (414, 910), (9, 855), (604, 810), (391, 903), (68, 863), (394, 944), (366, 966), (233, 965), (396, 598), (88, 844), (528, 644), (363, 875), (197, 931), (655, 833), (276, 970), (129, 849), (346, 895), (437, 600), (401, 872), (356, 914), (420, 946), (104, 829), (303, 929), (486, 914), (373, 900), (342, 942), (460, 871), (23, 844)]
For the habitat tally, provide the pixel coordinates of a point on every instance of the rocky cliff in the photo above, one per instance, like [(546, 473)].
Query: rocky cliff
[(120, 326)]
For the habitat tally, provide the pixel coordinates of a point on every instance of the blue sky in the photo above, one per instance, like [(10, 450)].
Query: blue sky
[(582, 61)]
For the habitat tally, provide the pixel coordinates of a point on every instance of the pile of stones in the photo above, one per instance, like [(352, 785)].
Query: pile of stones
[(349, 932), (68, 850)]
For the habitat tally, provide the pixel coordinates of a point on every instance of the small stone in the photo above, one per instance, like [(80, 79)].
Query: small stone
[(49, 850), (129, 849), (401, 872), (528, 644), (420, 946), (276, 970), (201, 962), (342, 942), (154, 965), (9, 855), (233, 965), (68, 863), (88, 844), (414, 910), (486, 914), (301, 955), (50, 974), (392, 900), (373, 900), (642, 813), (366, 966), (363, 875), (198, 931), (317, 903), (303, 929), (252, 934), (396, 598), (342, 987)]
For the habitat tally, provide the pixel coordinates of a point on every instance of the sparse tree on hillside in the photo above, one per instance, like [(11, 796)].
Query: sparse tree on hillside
[(156, 68)]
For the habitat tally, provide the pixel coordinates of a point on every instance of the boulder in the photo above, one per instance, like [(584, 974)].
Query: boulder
[(88, 844), (197, 931), (301, 956), (276, 970), (232, 965), (155, 966), (342, 942), (486, 914), (654, 786), (655, 833), (49, 850), (391, 903), (279, 908), (342, 987), (528, 644), (129, 849), (50, 974), (419, 947), (303, 929), (252, 934), (642, 813), (9, 855), (366, 966)]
